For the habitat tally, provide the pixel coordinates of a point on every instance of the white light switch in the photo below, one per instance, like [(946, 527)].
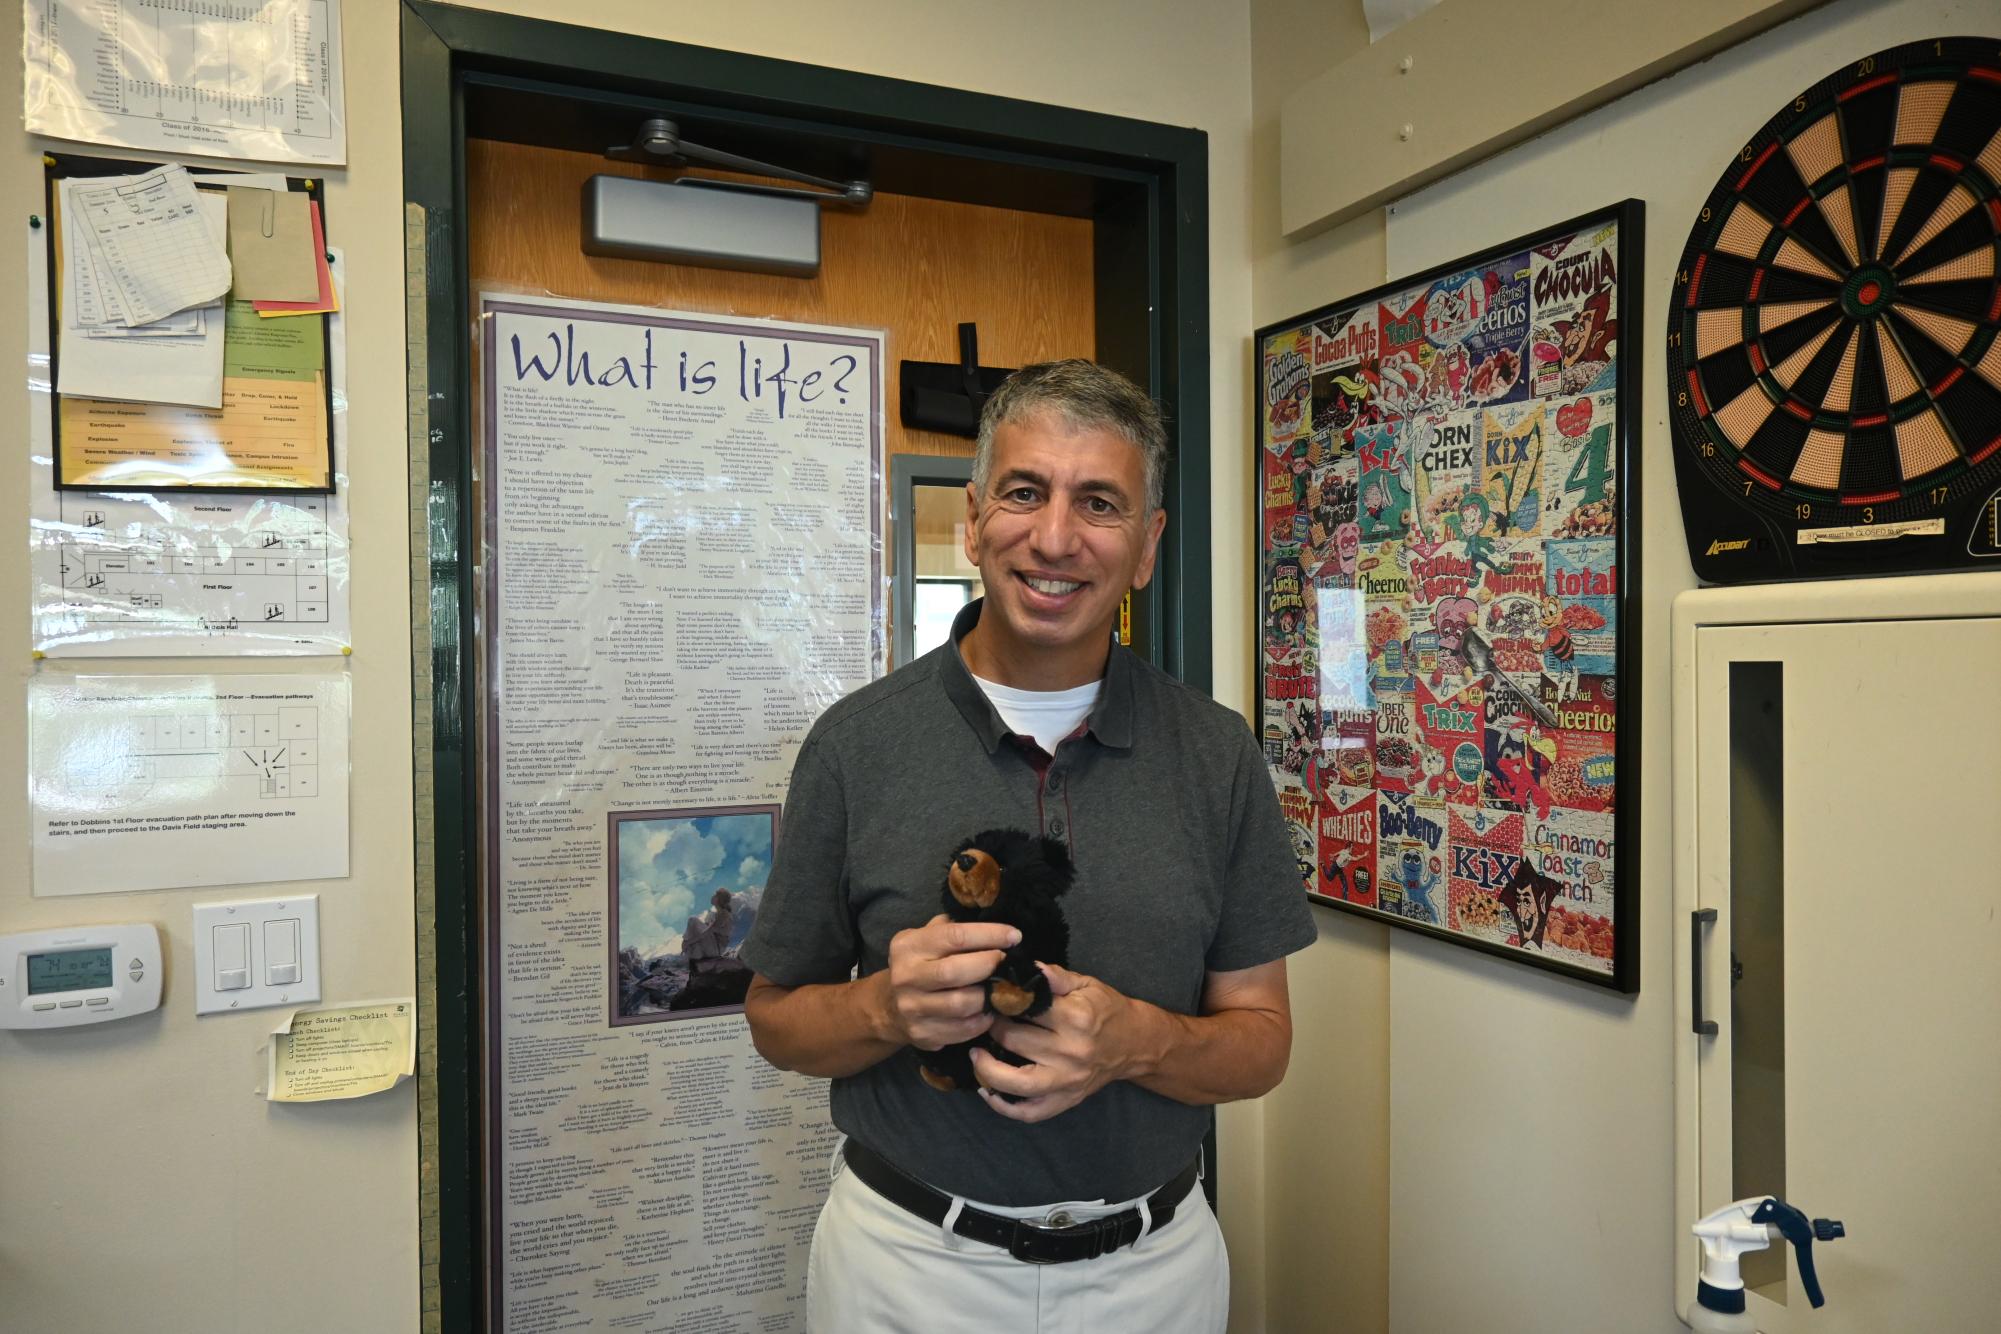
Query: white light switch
[(257, 953), (281, 952), (232, 956)]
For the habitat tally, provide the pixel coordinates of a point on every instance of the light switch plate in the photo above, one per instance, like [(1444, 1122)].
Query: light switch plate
[(249, 917)]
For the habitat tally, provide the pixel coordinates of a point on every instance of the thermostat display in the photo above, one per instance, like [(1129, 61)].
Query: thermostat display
[(78, 975), (69, 970)]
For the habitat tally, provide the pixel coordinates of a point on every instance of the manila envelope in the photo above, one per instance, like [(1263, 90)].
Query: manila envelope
[(271, 245)]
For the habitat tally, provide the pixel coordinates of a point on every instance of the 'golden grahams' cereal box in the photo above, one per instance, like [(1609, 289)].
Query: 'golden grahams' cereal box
[(1288, 386)]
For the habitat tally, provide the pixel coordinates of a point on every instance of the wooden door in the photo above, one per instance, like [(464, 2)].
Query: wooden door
[(913, 268), (916, 268), (1849, 838)]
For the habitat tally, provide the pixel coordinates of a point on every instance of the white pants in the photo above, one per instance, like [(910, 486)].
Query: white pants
[(879, 1269)]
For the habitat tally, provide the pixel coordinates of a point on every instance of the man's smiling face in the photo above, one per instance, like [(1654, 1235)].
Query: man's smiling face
[(1060, 535)]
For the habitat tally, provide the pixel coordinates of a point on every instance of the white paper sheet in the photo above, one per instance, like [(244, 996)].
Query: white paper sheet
[(161, 574), (341, 1051), (150, 241), (259, 81), (159, 782), (126, 363)]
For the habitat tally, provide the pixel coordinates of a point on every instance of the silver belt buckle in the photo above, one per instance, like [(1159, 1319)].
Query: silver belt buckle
[(1029, 1242)]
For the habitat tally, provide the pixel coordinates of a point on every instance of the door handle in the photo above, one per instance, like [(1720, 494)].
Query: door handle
[(1706, 1028)]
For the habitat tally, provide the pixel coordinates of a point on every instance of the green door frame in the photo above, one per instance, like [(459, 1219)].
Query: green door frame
[(1146, 188)]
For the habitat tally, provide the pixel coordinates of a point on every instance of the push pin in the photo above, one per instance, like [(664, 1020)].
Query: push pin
[(1407, 131)]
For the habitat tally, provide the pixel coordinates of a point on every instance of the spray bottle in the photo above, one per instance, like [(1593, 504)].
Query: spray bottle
[(1750, 1225)]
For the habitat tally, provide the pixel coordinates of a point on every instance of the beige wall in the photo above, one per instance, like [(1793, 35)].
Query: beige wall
[(1326, 1128), (1532, 1154), (146, 1186), (200, 1208), (1443, 91)]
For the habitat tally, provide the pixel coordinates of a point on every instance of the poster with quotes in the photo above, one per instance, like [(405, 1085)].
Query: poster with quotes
[(683, 569)]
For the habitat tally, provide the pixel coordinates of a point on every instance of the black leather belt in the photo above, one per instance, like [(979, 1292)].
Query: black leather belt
[(1026, 1241)]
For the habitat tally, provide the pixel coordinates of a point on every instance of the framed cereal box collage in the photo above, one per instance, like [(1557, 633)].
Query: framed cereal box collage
[(1447, 524)]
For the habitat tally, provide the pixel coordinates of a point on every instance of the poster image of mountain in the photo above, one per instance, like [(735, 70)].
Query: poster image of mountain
[(685, 889), (1445, 541)]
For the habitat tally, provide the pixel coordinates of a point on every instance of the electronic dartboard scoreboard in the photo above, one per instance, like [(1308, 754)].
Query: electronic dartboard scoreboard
[(1834, 369)]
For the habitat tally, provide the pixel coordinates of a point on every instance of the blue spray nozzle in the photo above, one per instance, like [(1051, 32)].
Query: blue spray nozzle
[(1801, 1231)]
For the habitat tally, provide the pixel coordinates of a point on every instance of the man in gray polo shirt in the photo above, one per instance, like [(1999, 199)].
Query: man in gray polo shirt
[(1072, 1199)]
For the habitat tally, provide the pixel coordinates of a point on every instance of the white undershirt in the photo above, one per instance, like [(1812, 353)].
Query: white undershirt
[(1046, 715)]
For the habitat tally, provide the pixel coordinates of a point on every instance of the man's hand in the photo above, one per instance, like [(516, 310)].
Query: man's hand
[(1092, 1034), (934, 995), (928, 997), (1081, 1043)]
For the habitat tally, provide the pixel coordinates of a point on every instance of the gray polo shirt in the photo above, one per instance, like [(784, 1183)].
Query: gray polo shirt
[(1183, 868)]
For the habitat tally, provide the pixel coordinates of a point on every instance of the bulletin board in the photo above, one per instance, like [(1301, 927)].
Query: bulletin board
[(1447, 525), (275, 428)]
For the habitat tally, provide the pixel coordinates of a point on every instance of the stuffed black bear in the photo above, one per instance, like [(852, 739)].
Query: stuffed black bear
[(1004, 875)]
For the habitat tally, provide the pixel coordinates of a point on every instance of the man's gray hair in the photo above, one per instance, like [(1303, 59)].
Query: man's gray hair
[(1087, 397)]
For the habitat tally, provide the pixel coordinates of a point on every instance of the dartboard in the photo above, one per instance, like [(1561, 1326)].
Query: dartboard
[(1834, 374)]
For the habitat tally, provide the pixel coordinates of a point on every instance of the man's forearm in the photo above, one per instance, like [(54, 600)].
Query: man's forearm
[(827, 1030), (1207, 1058)]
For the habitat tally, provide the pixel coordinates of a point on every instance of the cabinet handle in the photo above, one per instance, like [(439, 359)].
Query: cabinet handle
[(1703, 1027)]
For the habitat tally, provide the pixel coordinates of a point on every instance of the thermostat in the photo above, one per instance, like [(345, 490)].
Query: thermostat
[(78, 975)]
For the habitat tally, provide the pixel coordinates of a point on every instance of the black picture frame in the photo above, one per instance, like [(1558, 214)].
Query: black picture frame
[(1438, 662), (58, 167)]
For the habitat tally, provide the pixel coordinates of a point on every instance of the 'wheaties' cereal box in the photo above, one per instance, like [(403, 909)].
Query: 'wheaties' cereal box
[(1348, 844)]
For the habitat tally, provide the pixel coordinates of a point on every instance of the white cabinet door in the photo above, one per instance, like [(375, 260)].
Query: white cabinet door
[(1848, 835)]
